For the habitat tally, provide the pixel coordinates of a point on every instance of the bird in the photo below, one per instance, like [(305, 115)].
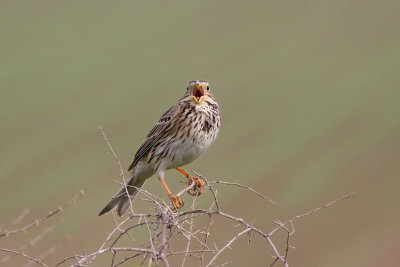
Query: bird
[(182, 134)]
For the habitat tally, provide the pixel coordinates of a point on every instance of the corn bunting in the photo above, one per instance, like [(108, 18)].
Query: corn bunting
[(181, 135)]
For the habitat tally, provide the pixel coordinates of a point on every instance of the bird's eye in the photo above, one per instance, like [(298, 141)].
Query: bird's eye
[(208, 88)]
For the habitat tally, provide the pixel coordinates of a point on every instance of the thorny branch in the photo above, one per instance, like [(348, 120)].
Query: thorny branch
[(45, 217), (243, 186), (180, 224), (167, 228), (121, 170), (33, 241), (165, 235), (24, 255)]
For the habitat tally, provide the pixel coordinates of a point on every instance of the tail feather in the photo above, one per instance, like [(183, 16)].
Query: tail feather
[(121, 199), (114, 202), (123, 206)]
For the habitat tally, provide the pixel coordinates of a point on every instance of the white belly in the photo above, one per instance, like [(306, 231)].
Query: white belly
[(187, 152)]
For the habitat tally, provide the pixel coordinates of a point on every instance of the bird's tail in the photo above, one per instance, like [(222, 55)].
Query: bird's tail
[(121, 198)]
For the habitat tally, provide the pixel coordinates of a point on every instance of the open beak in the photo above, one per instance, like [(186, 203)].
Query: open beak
[(198, 94)]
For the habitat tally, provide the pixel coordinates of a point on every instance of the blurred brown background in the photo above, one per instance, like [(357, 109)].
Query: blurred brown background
[(309, 93)]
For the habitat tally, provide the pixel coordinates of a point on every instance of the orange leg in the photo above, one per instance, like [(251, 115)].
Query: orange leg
[(198, 188), (183, 172), (175, 200)]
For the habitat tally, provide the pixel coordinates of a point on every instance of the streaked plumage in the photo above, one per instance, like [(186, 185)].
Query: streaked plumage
[(181, 135)]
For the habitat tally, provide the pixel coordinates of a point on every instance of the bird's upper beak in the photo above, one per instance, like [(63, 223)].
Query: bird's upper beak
[(198, 93)]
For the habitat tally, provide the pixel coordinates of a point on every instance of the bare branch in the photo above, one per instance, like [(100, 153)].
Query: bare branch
[(244, 186), (227, 245), (297, 217), (164, 240), (23, 255), (187, 235), (121, 170), (190, 233), (45, 217)]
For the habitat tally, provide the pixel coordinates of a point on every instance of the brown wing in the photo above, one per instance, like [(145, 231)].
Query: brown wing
[(154, 135)]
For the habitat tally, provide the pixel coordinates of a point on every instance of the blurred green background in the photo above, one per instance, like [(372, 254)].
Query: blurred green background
[(310, 98)]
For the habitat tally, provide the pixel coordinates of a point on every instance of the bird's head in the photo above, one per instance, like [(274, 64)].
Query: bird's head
[(198, 91)]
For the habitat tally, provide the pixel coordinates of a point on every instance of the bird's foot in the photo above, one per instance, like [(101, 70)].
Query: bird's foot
[(198, 187), (176, 202)]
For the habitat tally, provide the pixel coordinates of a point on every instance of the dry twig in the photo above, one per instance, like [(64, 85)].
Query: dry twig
[(45, 217), (167, 228)]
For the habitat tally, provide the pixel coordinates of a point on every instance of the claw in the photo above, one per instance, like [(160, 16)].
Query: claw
[(198, 188), (176, 202)]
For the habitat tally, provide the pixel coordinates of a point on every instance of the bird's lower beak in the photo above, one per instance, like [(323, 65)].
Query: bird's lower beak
[(198, 94), (198, 100)]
